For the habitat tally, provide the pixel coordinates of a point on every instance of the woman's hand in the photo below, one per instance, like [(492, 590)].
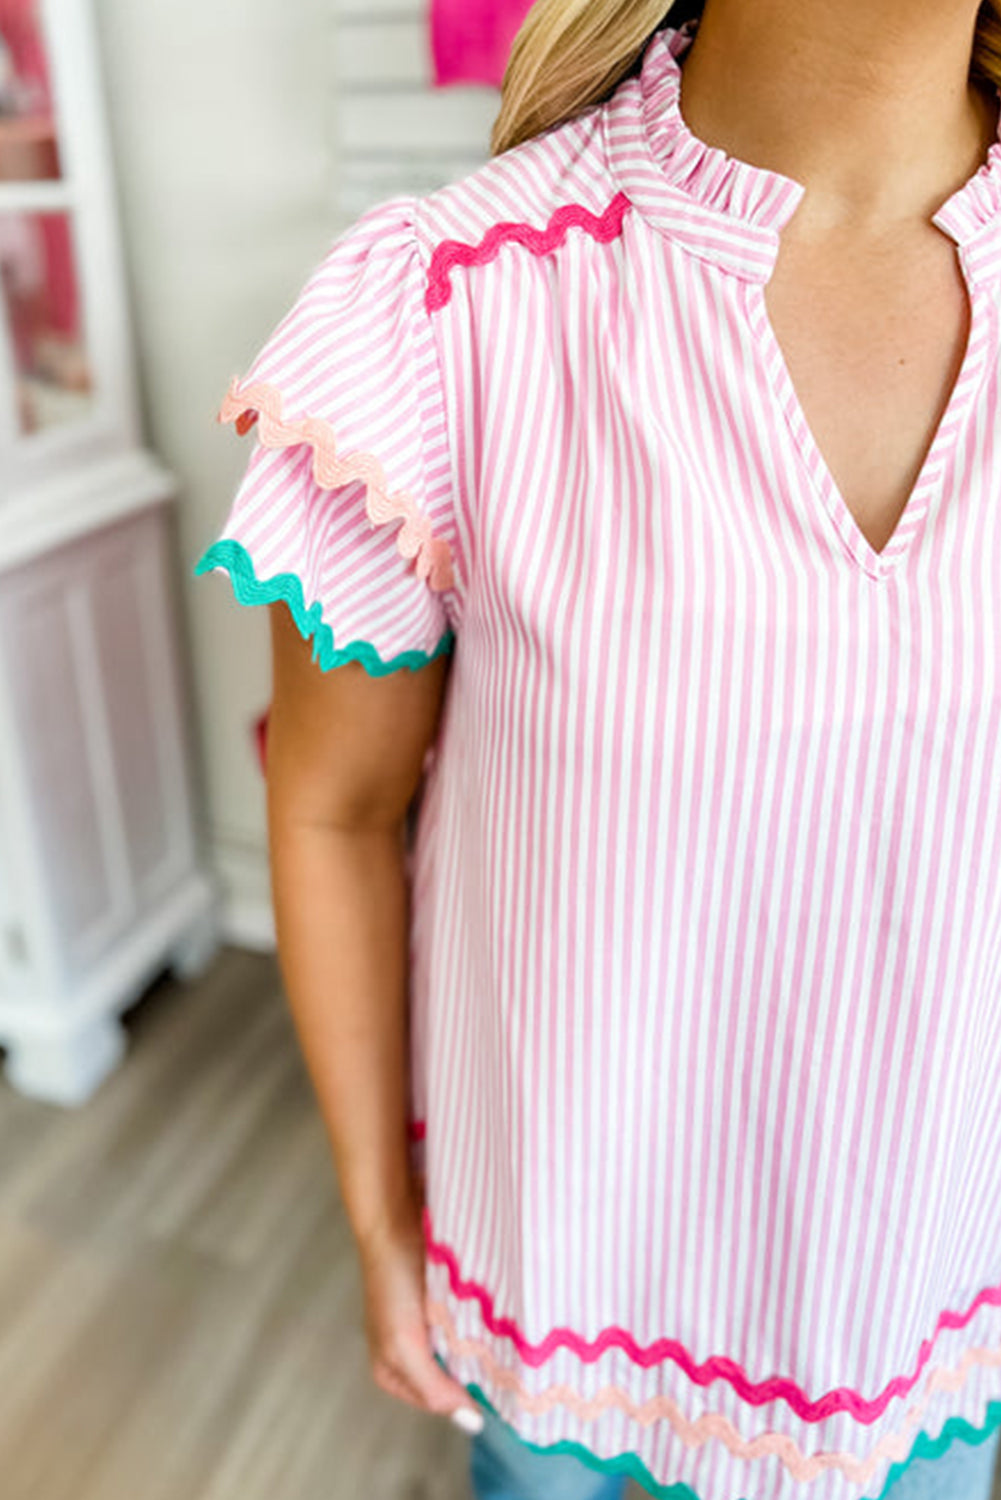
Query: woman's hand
[(400, 1353)]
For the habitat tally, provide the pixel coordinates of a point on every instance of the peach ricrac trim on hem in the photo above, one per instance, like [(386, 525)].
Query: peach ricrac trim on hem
[(632, 1466), (449, 253), (895, 1446), (261, 402), (718, 1366)]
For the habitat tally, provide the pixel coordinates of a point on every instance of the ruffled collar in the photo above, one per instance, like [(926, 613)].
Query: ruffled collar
[(730, 211)]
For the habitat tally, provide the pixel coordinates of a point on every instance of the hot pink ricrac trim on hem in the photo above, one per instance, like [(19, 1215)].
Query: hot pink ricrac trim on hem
[(717, 1367), (451, 253), (896, 1447), (262, 403)]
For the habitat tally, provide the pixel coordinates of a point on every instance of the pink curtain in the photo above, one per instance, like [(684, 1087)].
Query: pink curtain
[(22, 32), (471, 39)]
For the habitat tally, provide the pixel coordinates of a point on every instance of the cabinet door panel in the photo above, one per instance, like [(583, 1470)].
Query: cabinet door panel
[(87, 644), (41, 633), (136, 671), (15, 944)]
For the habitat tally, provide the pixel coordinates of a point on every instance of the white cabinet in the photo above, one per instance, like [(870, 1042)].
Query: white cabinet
[(101, 881)]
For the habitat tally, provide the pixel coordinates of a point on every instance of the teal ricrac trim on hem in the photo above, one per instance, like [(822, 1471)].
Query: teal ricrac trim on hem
[(249, 589), (631, 1465), (955, 1427)]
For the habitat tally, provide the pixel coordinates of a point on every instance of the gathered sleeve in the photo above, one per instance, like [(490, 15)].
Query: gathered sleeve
[(344, 510)]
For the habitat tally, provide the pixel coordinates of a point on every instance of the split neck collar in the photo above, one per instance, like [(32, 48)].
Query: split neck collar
[(731, 212)]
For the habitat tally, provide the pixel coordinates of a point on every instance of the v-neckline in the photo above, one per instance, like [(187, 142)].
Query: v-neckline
[(730, 213), (939, 455)]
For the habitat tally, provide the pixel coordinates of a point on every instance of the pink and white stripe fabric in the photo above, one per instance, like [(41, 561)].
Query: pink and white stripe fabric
[(706, 936)]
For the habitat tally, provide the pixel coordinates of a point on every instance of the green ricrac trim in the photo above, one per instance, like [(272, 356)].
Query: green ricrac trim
[(249, 589), (631, 1465)]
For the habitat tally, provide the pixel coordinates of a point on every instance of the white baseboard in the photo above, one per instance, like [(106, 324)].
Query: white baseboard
[(249, 924), (247, 917)]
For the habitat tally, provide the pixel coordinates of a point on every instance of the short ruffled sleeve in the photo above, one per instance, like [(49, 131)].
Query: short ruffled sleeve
[(344, 510)]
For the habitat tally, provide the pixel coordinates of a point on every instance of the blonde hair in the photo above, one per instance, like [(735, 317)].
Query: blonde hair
[(570, 54)]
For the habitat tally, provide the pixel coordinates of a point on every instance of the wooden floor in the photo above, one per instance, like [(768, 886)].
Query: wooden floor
[(180, 1302)]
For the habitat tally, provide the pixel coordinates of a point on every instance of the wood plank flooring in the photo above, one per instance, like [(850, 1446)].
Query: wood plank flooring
[(180, 1302)]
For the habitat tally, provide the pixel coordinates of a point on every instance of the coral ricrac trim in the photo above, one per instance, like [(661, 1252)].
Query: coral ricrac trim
[(630, 1465), (262, 403), (249, 589)]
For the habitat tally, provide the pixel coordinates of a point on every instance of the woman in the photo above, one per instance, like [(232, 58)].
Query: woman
[(688, 404)]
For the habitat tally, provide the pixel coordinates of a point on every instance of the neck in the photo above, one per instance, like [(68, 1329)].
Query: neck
[(869, 106)]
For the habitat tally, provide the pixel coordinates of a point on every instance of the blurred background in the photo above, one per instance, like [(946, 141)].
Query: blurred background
[(180, 1304), (180, 1313)]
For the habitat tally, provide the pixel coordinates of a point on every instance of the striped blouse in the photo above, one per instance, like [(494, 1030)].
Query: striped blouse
[(705, 939)]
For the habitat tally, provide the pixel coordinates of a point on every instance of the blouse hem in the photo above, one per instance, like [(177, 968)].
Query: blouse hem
[(630, 1464)]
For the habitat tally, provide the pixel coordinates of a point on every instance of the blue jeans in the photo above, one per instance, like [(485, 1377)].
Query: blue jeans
[(964, 1470), (502, 1467)]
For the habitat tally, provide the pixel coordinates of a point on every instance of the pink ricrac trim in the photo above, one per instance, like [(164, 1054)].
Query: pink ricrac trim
[(896, 1447), (718, 1367), (262, 403), (539, 241)]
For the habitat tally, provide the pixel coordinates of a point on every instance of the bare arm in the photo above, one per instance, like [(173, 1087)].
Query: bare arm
[(345, 754)]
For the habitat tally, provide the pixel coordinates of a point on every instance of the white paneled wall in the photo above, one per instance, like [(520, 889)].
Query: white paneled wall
[(397, 132), (246, 134)]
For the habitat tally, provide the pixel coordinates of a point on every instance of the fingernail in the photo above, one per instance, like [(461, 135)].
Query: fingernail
[(469, 1420)]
